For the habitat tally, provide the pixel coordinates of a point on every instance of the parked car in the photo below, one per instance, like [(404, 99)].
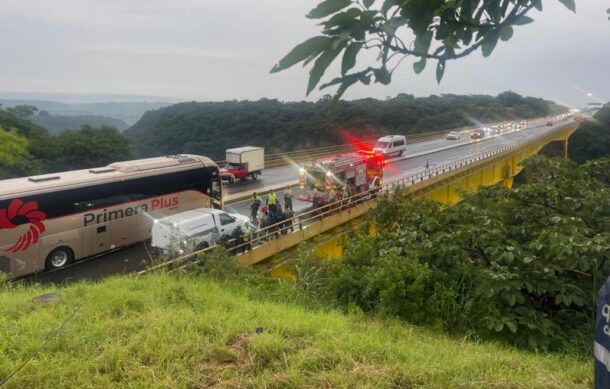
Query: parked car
[(194, 230), (453, 135), (549, 123), (391, 146)]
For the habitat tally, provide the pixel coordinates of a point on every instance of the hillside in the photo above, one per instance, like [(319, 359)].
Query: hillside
[(209, 128), (28, 148), (58, 123), (127, 111), (161, 331), (591, 141)]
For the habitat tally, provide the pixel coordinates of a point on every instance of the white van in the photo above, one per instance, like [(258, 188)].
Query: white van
[(194, 230), (391, 146)]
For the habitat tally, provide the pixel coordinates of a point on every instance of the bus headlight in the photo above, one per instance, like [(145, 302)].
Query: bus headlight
[(302, 171), (329, 174)]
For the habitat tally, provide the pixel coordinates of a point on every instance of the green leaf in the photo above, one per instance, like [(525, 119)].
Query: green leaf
[(368, 3), (537, 4), (419, 66), (321, 64), (310, 48), (328, 7), (422, 42), (382, 76), (440, 70), (347, 82), (489, 44), (506, 33), (570, 4), (511, 326), (349, 57), (387, 4), (523, 20)]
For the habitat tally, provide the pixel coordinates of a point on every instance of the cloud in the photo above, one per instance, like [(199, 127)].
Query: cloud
[(223, 49)]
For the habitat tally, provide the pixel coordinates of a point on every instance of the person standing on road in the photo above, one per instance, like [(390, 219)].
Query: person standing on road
[(272, 202), (247, 238), (288, 198), (255, 203), (315, 197)]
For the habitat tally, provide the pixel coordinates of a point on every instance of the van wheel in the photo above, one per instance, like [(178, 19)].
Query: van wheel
[(202, 246), (400, 154), (232, 180), (254, 176), (58, 258)]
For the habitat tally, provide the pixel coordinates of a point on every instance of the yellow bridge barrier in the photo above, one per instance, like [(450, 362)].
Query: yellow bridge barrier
[(446, 184)]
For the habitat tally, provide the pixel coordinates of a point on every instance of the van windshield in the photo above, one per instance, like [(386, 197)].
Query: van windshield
[(382, 145)]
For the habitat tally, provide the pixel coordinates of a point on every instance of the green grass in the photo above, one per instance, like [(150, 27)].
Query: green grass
[(179, 331)]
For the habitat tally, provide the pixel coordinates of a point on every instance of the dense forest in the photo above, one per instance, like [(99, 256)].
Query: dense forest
[(211, 127), (58, 123), (26, 148)]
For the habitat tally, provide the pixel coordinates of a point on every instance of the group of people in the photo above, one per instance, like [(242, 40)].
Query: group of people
[(320, 198), (273, 206), (272, 213)]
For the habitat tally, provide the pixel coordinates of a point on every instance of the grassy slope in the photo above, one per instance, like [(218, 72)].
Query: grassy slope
[(171, 331)]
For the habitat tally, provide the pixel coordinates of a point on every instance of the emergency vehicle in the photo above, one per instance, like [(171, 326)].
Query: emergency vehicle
[(357, 171)]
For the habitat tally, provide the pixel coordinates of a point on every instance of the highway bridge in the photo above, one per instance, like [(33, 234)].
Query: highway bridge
[(439, 169)]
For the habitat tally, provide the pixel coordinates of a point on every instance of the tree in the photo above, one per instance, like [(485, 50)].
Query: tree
[(425, 30), (86, 148), (509, 98), (522, 265), (23, 111)]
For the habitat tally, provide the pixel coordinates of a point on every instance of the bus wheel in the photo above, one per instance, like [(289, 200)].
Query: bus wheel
[(254, 176), (59, 258)]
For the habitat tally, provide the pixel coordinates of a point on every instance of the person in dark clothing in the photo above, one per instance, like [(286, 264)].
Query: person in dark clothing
[(238, 238), (255, 203)]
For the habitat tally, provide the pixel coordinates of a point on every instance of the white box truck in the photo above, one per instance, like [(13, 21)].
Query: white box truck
[(194, 230), (243, 162)]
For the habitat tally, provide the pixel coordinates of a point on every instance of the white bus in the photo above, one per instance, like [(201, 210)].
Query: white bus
[(50, 221)]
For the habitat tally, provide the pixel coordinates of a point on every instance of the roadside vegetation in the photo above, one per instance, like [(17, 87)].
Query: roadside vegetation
[(196, 330), (28, 149), (208, 128), (496, 291), (591, 141)]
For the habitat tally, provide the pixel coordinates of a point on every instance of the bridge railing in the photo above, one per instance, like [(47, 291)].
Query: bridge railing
[(360, 201)]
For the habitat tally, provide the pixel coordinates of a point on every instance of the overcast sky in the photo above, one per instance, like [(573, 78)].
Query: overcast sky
[(224, 49)]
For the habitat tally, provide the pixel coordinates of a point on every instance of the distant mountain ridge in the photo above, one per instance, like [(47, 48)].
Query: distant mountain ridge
[(58, 123), (128, 111), (208, 128)]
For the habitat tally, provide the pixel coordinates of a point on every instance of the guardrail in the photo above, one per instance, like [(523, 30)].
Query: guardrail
[(281, 159), (356, 205)]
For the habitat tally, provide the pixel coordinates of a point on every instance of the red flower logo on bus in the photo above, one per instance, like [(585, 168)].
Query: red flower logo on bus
[(19, 213)]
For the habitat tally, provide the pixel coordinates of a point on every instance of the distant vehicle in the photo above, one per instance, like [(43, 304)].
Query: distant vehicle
[(391, 146), (496, 130), (453, 135), (49, 221), (523, 124), (515, 126), (243, 162), (549, 123), (477, 134), (488, 131), (193, 230)]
